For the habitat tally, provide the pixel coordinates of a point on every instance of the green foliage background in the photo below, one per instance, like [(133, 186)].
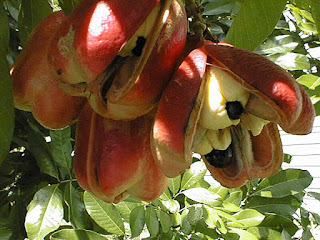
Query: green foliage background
[(40, 197)]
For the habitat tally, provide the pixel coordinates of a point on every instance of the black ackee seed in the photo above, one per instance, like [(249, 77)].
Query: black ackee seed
[(59, 71), (141, 41), (234, 110), (219, 158)]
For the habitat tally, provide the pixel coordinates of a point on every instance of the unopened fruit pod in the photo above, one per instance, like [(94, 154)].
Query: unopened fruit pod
[(35, 88), (113, 159)]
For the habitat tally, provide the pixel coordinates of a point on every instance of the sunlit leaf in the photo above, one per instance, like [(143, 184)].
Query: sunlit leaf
[(170, 205), (203, 195), (254, 22), (191, 176), (265, 233), (244, 235), (291, 61), (125, 208), (309, 80), (212, 219), (278, 44), (247, 218), (45, 212), (104, 214), (285, 183)]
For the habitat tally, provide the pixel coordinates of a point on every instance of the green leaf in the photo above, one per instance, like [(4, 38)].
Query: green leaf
[(291, 61), (285, 206), (309, 80), (5, 231), (218, 7), (265, 233), (285, 183), (191, 176), (174, 184), (315, 195), (68, 5), (31, 13), (166, 195), (165, 221), (195, 213), (77, 213), (152, 221), (244, 235), (212, 219), (279, 222), (61, 148), (203, 195), (41, 151), (125, 207), (45, 212), (254, 22), (186, 226), (6, 98), (247, 218), (170, 205), (278, 44), (72, 234), (315, 10), (104, 214), (137, 220)]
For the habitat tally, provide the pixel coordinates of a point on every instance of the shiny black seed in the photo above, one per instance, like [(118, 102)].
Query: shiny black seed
[(59, 71), (234, 110), (141, 41), (219, 158)]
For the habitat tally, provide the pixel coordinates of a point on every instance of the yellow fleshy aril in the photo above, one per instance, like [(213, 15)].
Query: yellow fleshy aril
[(213, 139), (253, 123), (143, 31), (221, 88)]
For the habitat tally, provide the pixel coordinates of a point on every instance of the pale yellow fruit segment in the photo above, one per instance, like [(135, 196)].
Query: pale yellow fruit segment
[(214, 139), (221, 88), (143, 31), (253, 123)]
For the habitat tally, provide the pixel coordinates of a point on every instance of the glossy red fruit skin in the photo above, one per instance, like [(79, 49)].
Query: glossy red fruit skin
[(92, 36), (276, 97), (148, 85), (113, 158), (35, 89)]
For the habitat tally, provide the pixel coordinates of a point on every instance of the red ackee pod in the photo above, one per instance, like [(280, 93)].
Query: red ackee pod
[(113, 158), (224, 103), (35, 89), (119, 53)]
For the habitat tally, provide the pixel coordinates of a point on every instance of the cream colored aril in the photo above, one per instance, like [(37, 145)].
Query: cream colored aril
[(143, 31), (213, 130)]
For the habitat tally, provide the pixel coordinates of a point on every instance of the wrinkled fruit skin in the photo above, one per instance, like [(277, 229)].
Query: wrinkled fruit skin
[(85, 55), (274, 98), (35, 89), (113, 158)]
